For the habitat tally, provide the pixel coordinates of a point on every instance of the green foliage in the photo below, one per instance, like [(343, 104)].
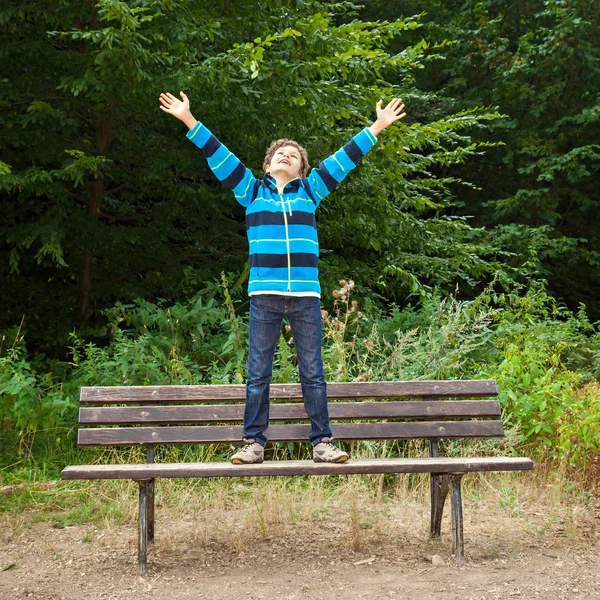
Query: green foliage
[(550, 358), (112, 222), (34, 395), (437, 343), (544, 358), (106, 202), (201, 340), (537, 62)]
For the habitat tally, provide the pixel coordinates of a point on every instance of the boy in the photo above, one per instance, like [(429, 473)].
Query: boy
[(284, 249)]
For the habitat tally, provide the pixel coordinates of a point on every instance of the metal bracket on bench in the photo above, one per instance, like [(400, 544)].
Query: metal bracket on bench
[(439, 486), (145, 515), (150, 505), (143, 527), (458, 543)]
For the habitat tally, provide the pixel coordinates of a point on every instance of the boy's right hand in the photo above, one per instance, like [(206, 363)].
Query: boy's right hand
[(178, 108)]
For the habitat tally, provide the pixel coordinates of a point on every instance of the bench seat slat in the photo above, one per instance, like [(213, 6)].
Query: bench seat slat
[(297, 467), (127, 436), (281, 391), (285, 412)]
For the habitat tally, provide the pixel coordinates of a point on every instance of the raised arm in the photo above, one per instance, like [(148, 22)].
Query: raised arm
[(228, 169), (335, 168)]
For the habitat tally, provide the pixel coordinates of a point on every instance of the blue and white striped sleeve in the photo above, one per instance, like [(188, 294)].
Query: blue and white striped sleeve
[(227, 167), (333, 170)]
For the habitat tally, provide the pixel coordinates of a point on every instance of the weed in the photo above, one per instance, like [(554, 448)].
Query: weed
[(355, 525), (87, 538)]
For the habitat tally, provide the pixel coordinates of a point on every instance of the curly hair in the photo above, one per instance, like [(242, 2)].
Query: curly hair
[(304, 166)]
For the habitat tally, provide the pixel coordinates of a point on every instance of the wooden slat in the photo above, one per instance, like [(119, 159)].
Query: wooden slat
[(128, 436), (287, 412), (217, 393), (297, 467)]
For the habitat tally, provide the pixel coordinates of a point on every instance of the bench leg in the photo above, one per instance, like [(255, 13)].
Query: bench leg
[(439, 487), (150, 510), (150, 505), (143, 528), (458, 544)]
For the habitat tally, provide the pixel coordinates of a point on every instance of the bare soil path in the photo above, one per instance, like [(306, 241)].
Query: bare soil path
[(526, 553)]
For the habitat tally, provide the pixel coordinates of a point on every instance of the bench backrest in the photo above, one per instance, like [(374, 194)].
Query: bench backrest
[(208, 414)]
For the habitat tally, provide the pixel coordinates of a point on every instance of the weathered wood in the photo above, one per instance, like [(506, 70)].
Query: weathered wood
[(432, 409), (217, 393), (129, 436), (297, 467)]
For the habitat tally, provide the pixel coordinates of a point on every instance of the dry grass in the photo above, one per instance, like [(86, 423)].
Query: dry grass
[(357, 512)]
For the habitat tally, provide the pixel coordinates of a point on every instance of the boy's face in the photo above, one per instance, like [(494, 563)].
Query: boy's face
[(286, 162)]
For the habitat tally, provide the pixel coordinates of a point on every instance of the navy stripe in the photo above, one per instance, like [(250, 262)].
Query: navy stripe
[(234, 177), (353, 151), (265, 217), (304, 259), (299, 217), (308, 191), (211, 146), (280, 261), (257, 184), (329, 181)]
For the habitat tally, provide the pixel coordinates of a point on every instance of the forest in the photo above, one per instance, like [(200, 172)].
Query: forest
[(466, 244)]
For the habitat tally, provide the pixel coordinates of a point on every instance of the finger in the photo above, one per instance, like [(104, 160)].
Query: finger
[(164, 100), (171, 97), (164, 109), (400, 116), (185, 98), (395, 102), (399, 109), (378, 105)]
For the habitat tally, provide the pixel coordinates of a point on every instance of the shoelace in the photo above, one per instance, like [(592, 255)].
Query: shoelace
[(248, 445), (330, 445)]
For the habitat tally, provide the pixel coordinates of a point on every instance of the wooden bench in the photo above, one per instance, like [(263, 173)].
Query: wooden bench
[(203, 414)]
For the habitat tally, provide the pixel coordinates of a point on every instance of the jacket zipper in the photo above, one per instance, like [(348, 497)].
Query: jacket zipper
[(287, 241)]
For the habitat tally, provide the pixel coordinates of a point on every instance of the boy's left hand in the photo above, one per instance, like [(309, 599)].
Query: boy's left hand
[(388, 115)]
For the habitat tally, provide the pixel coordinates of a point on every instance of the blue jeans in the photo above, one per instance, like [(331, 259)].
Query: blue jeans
[(266, 315)]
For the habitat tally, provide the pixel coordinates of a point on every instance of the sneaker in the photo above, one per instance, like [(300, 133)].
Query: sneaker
[(327, 451), (250, 452)]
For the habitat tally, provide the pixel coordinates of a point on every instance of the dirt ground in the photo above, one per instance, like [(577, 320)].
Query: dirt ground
[(258, 552)]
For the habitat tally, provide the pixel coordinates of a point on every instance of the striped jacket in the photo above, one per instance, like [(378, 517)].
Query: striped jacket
[(281, 227)]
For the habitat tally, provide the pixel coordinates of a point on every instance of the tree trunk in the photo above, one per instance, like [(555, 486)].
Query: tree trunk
[(96, 194)]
